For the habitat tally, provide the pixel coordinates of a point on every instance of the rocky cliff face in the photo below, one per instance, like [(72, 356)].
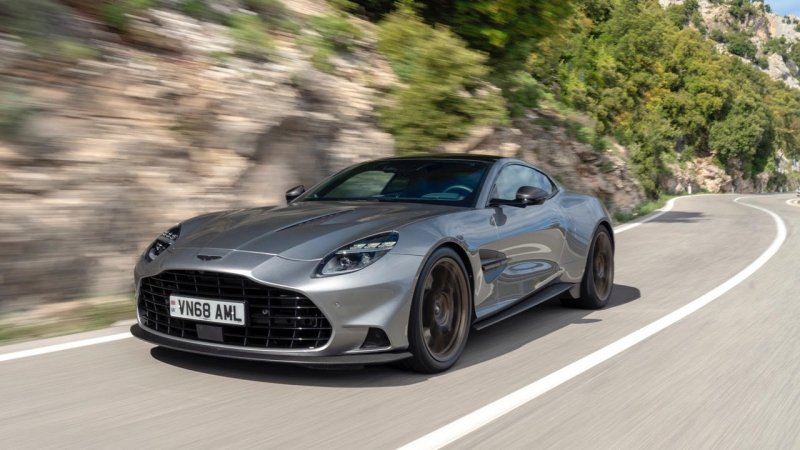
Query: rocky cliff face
[(762, 26), (101, 152)]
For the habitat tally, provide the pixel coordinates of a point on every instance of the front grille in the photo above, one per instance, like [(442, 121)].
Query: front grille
[(276, 318)]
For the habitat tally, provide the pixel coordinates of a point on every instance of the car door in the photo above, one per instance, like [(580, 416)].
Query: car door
[(530, 241)]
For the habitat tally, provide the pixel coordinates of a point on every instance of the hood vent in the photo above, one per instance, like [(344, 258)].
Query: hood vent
[(313, 219)]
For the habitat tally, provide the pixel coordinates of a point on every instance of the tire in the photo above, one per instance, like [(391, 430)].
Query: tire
[(441, 313), (598, 277)]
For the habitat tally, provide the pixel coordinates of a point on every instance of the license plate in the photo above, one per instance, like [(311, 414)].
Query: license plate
[(214, 311)]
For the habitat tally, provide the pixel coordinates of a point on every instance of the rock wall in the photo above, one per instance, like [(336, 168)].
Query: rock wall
[(98, 155), (111, 151)]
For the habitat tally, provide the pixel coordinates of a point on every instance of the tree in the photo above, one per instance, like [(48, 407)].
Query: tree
[(741, 45), (444, 89), (505, 29)]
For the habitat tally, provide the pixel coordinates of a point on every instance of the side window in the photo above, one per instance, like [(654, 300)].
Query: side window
[(513, 177)]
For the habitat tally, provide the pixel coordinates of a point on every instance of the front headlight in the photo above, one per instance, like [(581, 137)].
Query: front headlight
[(162, 243), (357, 255)]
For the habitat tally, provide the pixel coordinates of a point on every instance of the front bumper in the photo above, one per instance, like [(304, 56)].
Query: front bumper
[(242, 353), (378, 296)]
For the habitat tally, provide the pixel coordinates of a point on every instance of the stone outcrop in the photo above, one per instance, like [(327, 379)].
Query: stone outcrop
[(698, 175), (785, 71)]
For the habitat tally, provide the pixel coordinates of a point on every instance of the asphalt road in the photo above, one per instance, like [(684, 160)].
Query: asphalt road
[(725, 376)]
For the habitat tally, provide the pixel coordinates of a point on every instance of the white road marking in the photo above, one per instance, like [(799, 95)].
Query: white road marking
[(664, 209), (124, 323), (64, 346), (483, 416), (793, 201)]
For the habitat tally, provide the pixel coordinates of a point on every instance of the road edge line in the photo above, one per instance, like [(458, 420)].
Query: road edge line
[(64, 346), (504, 405), (658, 213)]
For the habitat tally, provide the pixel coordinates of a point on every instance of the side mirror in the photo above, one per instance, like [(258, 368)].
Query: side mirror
[(526, 196), (294, 192), (529, 195)]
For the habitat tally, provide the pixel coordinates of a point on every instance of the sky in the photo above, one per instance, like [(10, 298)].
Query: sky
[(785, 7)]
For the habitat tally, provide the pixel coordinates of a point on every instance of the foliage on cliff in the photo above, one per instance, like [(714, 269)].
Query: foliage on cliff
[(664, 90), (648, 75)]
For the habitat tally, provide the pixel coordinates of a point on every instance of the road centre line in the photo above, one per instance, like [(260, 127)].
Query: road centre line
[(508, 403), (94, 341)]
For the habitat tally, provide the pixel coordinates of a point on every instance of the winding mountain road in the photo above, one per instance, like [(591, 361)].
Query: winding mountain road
[(699, 348)]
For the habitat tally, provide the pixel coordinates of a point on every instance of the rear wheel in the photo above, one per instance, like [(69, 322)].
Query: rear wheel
[(440, 314), (598, 278)]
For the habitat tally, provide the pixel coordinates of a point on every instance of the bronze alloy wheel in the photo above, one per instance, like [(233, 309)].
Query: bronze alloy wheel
[(444, 308), (441, 314), (603, 266), (598, 278)]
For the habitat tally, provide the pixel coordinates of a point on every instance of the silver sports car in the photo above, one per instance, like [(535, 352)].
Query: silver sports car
[(392, 260)]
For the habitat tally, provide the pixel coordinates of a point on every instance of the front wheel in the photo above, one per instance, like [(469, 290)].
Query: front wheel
[(440, 314), (598, 278)]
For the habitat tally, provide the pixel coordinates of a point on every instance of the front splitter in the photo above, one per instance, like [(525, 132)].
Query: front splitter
[(227, 352)]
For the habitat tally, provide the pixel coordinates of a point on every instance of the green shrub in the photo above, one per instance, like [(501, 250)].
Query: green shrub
[(13, 114), (682, 14), (43, 29), (444, 91), (336, 31), (718, 36), (267, 8), (522, 92), (779, 46), (579, 132), (219, 57), (198, 9), (599, 143), (321, 58), (794, 54), (335, 34), (344, 5), (275, 14), (739, 44), (72, 51), (115, 12), (250, 37)]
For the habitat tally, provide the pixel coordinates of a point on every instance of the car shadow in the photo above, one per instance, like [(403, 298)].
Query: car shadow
[(679, 217), (482, 346), (531, 325)]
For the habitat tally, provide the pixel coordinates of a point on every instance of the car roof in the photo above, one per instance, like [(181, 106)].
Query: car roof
[(439, 156)]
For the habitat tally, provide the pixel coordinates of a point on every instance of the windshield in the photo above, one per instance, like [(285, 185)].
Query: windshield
[(450, 182)]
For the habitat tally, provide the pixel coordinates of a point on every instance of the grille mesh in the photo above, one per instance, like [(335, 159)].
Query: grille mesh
[(276, 318)]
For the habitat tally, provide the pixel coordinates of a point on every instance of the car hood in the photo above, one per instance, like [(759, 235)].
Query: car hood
[(302, 231)]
